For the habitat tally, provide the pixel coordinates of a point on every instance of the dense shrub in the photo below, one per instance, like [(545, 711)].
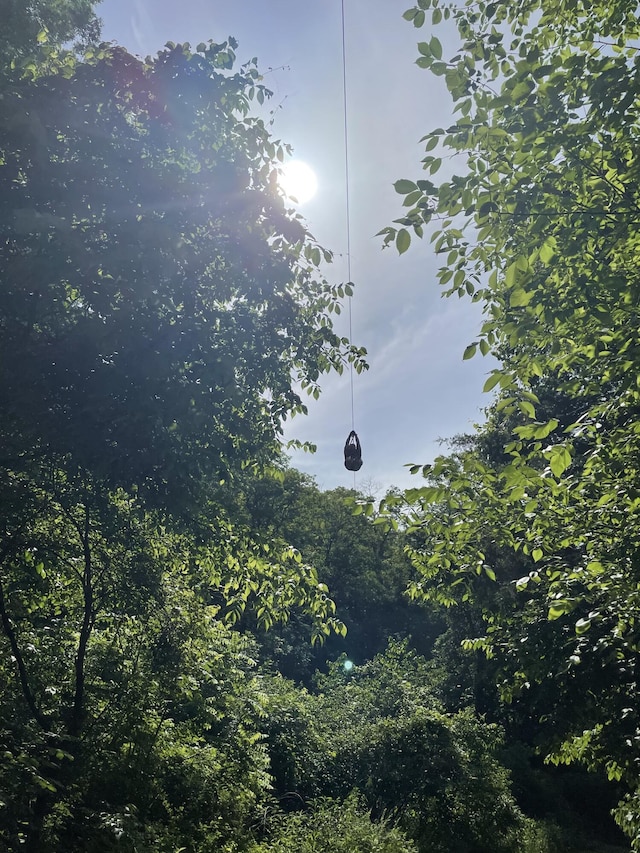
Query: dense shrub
[(335, 827)]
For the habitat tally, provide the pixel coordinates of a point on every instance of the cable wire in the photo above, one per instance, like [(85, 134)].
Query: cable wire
[(347, 195)]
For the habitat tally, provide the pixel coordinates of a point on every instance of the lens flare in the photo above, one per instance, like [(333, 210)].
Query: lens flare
[(298, 181)]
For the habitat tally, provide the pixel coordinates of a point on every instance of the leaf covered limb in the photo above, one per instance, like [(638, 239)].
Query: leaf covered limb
[(541, 218)]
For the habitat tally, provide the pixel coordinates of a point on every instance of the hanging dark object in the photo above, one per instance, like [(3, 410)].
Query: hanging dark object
[(352, 452)]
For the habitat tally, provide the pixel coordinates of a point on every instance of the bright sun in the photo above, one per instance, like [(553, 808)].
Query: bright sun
[(298, 181)]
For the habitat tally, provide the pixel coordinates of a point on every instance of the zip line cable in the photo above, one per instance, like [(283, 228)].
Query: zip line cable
[(347, 195), (352, 449)]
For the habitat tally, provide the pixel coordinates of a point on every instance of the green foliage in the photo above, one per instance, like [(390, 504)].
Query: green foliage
[(28, 23), (626, 816), (541, 225), (361, 561), (170, 750), (159, 307), (380, 732), (159, 300), (335, 827), (123, 692)]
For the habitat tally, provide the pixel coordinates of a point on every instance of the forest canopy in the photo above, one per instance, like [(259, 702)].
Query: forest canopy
[(203, 651), (160, 308)]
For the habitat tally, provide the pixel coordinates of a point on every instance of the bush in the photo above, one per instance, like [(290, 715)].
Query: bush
[(332, 826), (379, 731)]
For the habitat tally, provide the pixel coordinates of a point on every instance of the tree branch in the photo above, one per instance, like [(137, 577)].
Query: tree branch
[(10, 633), (85, 631)]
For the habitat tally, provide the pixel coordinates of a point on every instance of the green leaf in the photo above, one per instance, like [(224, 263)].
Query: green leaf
[(404, 187), (412, 199), (545, 429), (403, 241), (547, 250), (492, 381), (559, 459), (511, 274), (527, 407), (559, 608), (520, 298), (435, 47), (469, 352)]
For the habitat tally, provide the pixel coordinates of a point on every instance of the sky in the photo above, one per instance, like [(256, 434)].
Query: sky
[(418, 390)]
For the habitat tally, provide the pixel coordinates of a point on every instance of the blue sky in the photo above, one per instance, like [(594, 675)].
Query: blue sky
[(418, 389)]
